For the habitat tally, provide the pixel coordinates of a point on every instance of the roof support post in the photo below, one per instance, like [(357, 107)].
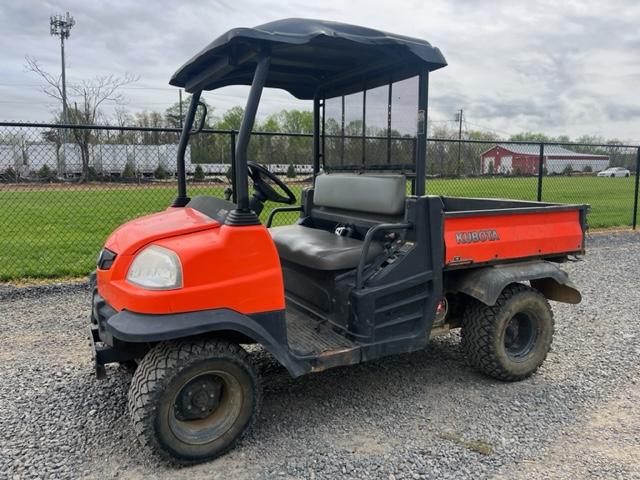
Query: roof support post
[(316, 135), (182, 199), (421, 150), (243, 214)]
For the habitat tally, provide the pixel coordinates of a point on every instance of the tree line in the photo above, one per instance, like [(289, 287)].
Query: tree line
[(443, 158), (88, 97)]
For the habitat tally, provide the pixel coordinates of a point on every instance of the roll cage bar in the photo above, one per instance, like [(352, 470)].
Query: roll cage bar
[(312, 60)]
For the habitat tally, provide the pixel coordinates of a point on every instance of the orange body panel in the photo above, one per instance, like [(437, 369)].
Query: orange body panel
[(128, 238), (485, 238), (222, 266)]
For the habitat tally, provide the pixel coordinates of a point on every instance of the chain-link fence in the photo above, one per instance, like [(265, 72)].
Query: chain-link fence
[(63, 190), (604, 176)]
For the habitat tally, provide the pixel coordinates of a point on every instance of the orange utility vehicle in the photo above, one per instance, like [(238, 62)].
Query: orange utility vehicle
[(367, 271)]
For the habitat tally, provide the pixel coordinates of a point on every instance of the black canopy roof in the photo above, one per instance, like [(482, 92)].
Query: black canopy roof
[(308, 56)]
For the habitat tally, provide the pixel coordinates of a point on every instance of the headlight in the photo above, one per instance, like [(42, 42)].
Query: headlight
[(156, 268)]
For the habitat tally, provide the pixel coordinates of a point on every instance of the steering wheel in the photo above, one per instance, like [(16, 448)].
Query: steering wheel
[(263, 181)]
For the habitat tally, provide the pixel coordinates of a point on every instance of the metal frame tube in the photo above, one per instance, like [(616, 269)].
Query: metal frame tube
[(234, 179), (364, 129), (368, 239), (540, 172), (389, 104), (421, 137), (323, 143), (342, 131), (634, 222), (182, 199), (316, 135), (242, 182)]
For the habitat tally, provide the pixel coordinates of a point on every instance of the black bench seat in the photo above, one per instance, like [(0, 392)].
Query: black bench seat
[(322, 249)]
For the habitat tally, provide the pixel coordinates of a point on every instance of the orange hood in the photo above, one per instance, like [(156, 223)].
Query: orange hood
[(131, 236)]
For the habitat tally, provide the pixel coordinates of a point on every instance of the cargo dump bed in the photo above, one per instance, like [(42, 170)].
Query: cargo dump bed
[(487, 231)]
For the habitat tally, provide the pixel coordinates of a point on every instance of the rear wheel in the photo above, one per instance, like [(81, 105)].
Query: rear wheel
[(511, 339), (192, 401)]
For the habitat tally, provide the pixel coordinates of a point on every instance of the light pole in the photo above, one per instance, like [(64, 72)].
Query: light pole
[(459, 120), (61, 27)]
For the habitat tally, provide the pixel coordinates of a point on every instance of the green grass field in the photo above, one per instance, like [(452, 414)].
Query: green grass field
[(56, 231)]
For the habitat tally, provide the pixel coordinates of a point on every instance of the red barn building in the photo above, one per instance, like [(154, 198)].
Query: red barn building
[(525, 159)]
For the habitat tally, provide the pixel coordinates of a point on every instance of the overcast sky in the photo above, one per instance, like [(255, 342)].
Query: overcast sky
[(570, 67)]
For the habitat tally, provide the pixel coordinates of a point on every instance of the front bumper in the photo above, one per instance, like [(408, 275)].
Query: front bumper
[(104, 347), (125, 335)]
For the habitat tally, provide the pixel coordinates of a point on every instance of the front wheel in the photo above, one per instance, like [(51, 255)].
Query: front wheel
[(191, 401), (511, 339)]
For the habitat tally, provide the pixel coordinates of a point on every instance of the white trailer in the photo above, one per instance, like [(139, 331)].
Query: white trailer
[(213, 168), (42, 154), (558, 165), (70, 159), (109, 159), (10, 157), (147, 158), (167, 155), (283, 168)]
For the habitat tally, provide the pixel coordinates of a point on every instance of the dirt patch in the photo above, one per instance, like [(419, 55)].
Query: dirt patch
[(364, 442), (34, 340), (475, 445)]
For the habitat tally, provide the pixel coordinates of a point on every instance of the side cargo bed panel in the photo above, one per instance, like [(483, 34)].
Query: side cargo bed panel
[(502, 235)]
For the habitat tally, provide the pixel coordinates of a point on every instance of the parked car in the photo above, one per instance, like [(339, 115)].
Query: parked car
[(615, 172)]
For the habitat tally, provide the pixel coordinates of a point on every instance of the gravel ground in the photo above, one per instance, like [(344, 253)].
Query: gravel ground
[(422, 415)]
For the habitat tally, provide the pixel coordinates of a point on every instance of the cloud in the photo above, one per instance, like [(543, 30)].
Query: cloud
[(623, 112), (561, 68)]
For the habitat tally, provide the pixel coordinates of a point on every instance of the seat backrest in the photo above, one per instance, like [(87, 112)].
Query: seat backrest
[(376, 194)]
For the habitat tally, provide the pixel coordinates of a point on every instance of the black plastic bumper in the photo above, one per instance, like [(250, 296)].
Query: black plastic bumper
[(104, 347), (123, 336)]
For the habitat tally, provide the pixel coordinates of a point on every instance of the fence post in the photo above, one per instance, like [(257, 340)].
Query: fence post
[(634, 222), (540, 171)]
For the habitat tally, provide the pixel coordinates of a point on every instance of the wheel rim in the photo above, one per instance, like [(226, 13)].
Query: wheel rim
[(205, 407), (520, 336)]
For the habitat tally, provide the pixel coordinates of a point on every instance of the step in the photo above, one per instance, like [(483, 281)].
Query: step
[(310, 337)]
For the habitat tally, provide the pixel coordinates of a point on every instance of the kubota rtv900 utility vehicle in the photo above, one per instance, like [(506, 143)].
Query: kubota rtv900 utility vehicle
[(367, 271)]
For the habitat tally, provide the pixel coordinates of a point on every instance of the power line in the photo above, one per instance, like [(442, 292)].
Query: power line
[(494, 130)]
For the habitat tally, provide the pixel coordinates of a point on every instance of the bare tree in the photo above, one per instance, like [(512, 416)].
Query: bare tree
[(88, 97), (122, 118)]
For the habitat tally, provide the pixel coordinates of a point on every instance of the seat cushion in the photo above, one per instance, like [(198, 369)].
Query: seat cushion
[(379, 194), (319, 249)]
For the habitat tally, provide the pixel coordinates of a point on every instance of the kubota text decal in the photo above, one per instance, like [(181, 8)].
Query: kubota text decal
[(477, 236)]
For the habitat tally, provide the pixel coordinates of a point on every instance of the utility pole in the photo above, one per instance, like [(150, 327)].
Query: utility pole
[(459, 120), (61, 27)]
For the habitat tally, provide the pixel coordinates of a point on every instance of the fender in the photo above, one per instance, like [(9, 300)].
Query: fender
[(486, 284), (268, 329)]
